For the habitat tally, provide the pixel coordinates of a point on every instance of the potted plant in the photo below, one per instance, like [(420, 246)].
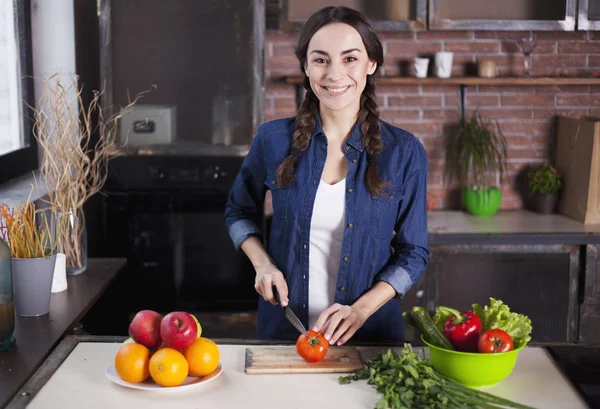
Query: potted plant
[(544, 184), (32, 248), (477, 154)]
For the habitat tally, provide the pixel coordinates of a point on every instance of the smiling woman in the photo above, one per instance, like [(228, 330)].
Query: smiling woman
[(18, 151)]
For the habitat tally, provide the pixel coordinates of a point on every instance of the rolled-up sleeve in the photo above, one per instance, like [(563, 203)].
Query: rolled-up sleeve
[(410, 243), (244, 209)]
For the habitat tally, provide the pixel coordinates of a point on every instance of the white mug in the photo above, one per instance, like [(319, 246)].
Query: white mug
[(443, 64), (421, 65)]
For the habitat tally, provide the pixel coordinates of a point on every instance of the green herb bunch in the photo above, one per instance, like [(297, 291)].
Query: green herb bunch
[(544, 178), (407, 381)]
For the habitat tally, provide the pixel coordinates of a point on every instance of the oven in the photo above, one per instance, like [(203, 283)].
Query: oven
[(166, 216)]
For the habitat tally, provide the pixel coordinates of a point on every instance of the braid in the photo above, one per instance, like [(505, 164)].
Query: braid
[(305, 124), (370, 129)]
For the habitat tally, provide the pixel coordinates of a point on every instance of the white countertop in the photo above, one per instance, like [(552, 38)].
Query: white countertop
[(80, 383), (505, 222)]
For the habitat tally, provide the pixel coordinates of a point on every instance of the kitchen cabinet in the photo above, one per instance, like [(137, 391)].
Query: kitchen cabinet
[(590, 308), (386, 15), (588, 16), (514, 15)]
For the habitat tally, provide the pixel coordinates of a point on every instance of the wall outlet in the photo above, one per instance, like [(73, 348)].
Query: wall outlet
[(148, 125)]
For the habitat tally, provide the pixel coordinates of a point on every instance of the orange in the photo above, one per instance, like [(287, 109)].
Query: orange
[(203, 357), (168, 367), (132, 362)]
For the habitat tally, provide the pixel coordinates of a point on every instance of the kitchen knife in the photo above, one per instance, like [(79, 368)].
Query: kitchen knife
[(289, 314)]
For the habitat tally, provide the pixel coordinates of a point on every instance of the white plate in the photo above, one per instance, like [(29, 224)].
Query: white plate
[(150, 385)]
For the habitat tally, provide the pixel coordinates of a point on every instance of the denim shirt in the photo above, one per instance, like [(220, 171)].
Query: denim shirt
[(385, 237)]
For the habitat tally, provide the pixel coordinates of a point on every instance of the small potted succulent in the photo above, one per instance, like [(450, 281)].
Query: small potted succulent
[(544, 184)]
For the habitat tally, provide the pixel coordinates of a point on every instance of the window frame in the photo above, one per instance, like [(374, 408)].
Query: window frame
[(23, 160)]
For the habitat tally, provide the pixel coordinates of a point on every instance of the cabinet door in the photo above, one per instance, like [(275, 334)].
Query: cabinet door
[(540, 281), (556, 15), (588, 15), (385, 15)]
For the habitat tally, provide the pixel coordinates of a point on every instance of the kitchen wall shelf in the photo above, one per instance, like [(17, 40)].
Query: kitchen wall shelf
[(297, 80), (461, 82)]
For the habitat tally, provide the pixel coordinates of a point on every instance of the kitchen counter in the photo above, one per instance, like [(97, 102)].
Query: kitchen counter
[(36, 337), (74, 377)]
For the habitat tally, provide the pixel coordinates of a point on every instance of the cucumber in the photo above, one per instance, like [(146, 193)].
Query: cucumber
[(407, 317), (431, 333)]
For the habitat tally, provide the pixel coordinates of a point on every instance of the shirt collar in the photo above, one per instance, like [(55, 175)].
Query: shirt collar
[(355, 137)]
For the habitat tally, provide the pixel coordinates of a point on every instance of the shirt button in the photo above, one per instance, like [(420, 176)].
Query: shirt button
[(303, 305), (305, 246), (341, 288), (353, 160), (346, 258), (350, 190), (304, 276), (349, 225), (391, 196), (273, 181), (347, 147)]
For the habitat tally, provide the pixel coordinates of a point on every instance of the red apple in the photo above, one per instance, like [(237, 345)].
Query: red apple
[(145, 328), (178, 330)]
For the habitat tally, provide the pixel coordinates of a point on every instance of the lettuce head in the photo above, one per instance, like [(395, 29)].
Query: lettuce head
[(497, 315)]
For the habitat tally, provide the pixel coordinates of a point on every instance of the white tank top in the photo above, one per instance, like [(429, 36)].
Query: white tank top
[(326, 233)]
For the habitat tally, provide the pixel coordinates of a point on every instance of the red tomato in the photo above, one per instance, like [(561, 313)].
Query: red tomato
[(312, 348), (495, 340)]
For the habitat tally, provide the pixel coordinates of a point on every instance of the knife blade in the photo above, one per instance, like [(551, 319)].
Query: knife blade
[(289, 314)]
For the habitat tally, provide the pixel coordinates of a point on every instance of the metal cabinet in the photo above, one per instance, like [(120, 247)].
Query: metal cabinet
[(553, 15), (386, 15), (588, 15), (589, 329)]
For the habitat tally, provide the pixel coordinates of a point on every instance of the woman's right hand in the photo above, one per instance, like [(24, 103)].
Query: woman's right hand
[(268, 276)]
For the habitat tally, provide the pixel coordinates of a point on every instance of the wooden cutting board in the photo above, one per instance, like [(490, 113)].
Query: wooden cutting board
[(285, 359)]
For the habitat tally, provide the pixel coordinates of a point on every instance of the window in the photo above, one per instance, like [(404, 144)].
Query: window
[(18, 150)]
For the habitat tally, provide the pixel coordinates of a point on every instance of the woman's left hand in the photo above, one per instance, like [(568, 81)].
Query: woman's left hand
[(338, 323)]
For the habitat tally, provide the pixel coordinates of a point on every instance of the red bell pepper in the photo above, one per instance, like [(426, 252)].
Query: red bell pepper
[(462, 329)]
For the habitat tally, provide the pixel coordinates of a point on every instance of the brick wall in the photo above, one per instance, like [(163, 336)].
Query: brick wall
[(526, 114)]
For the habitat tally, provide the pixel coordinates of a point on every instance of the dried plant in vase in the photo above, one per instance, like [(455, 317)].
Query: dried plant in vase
[(77, 141)]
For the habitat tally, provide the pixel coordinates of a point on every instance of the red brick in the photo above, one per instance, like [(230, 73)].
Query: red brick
[(569, 89), (397, 89), (526, 153), (543, 128), (405, 47), (280, 36), (279, 90), (578, 47), (436, 166), (594, 60), (270, 116), (541, 140), (517, 128), (445, 35), (486, 100), (391, 70), (269, 104), (520, 89), (282, 66), (424, 128), (436, 148), (380, 101), (595, 112), (553, 112), (575, 72), (394, 115), (578, 100), (595, 89), (472, 47), (511, 71), (559, 35), (503, 113), (441, 114), (285, 105), (540, 48), (395, 35), (527, 100), (594, 35), (577, 60), (514, 140), (440, 88), (283, 50), (512, 35), (435, 178), (414, 101)]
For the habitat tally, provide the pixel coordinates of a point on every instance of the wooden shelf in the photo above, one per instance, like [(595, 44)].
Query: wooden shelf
[(297, 80)]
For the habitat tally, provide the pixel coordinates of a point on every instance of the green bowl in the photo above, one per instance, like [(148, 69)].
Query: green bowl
[(471, 368)]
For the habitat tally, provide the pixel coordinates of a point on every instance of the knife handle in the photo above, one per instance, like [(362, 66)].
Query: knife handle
[(276, 294)]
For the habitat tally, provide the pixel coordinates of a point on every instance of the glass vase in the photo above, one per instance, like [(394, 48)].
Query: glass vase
[(71, 238), (7, 306)]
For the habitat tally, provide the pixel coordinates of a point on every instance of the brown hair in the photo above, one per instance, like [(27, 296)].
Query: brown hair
[(368, 116)]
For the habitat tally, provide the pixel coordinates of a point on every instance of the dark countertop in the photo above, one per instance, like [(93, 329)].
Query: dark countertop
[(36, 337)]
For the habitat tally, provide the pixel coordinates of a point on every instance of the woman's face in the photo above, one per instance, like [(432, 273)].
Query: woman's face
[(337, 66)]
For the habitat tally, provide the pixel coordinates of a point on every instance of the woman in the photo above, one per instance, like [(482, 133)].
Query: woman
[(349, 228)]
